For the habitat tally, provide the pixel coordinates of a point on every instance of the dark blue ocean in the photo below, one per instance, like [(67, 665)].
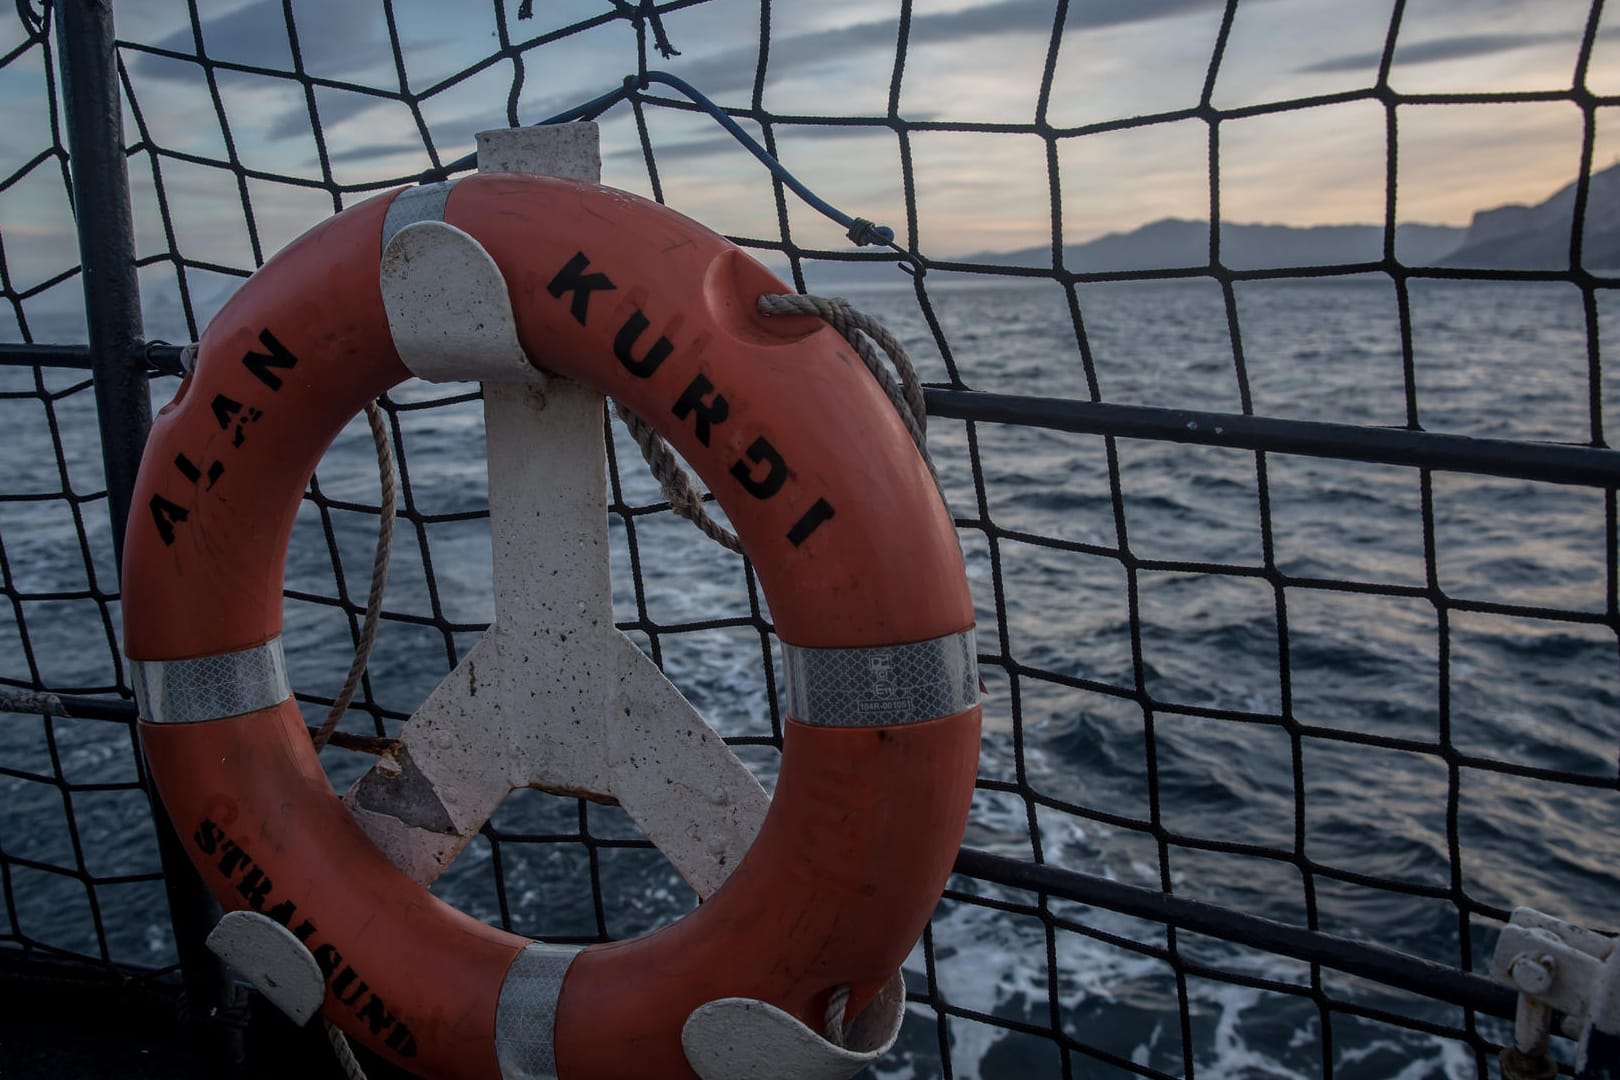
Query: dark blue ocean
[(1315, 616)]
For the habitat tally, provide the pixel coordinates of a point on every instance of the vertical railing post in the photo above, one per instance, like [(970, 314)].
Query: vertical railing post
[(102, 210), (101, 206)]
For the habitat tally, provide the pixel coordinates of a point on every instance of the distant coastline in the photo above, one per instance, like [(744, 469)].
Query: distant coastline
[(1513, 237)]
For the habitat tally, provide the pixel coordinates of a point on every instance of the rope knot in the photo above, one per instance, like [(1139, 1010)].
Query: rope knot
[(865, 233)]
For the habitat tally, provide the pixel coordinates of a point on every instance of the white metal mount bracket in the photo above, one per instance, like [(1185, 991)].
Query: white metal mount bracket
[(1558, 968), (269, 956), (554, 696), (744, 1039), (431, 269)]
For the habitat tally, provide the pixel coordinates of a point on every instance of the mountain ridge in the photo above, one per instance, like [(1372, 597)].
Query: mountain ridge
[(1509, 237)]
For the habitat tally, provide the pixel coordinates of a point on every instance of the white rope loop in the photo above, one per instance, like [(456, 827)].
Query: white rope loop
[(837, 1002), (344, 1052), (379, 577), (362, 652)]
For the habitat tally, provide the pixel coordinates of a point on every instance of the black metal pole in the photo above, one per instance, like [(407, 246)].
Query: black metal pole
[(101, 205), (106, 226), (1364, 958), (1548, 462)]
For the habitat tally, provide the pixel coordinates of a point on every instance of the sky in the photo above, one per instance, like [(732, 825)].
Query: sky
[(966, 61)]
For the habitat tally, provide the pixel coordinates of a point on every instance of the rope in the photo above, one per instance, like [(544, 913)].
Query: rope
[(859, 230), (836, 1004), (357, 667), (362, 654), (31, 701), (646, 11), (37, 23), (676, 484), (862, 331), (866, 335), (379, 578), (344, 1052)]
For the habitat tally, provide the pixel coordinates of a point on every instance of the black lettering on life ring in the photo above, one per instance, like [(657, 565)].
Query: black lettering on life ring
[(761, 452), (255, 887), (207, 837), (227, 410), (166, 515), (190, 471), (260, 364), (348, 987), (572, 278), (703, 413), (625, 339), (810, 522)]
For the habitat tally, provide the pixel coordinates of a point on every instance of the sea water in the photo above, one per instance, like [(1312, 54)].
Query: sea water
[(1257, 606)]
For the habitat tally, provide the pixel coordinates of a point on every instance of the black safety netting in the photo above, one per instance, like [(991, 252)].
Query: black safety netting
[(1290, 698)]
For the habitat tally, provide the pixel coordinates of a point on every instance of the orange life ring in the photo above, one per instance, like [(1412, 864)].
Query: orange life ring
[(831, 500)]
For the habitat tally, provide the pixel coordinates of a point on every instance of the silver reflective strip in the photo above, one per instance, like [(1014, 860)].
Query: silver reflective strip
[(210, 687), (526, 1014), (875, 687), (425, 203)]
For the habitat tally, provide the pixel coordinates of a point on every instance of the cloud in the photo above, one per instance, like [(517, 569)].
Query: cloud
[(718, 144), (294, 122), (1461, 47), (733, 69), (332, 37), (371, 151)]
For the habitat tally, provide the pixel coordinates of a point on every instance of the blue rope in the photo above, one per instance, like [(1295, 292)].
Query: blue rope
[(859, 230)]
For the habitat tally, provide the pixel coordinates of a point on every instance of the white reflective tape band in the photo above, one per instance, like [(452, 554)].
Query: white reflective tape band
[(876, 687), (424, 203), (210, 687), (526, 1013)]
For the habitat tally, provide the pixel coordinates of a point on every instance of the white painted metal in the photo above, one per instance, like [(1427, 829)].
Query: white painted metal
[(744, 1039), (554, 696), (566, 151), (1557, 967), (267, 954), (430, 268)]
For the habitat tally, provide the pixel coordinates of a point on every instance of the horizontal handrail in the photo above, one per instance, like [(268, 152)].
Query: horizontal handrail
[(1553, 463)]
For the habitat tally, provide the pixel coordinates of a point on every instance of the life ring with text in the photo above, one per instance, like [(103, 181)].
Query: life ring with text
[(833, 504)]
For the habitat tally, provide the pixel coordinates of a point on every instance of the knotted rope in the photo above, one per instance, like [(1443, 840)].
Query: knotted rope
[(871, 340)]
